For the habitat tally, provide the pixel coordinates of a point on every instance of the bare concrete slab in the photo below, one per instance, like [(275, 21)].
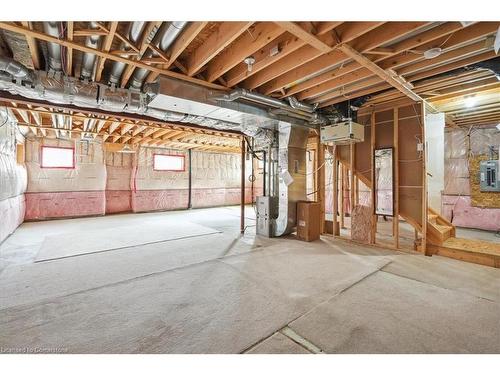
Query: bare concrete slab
[(474, 279), (278, 344), (386, 313), (105, 239), (34, 282), (307, 274), (206, 308)]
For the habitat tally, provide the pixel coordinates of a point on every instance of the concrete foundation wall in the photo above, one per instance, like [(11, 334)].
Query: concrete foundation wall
[(12, 177)]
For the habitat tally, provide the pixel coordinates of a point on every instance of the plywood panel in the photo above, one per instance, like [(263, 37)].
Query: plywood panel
[(410, 163), (479, 198)]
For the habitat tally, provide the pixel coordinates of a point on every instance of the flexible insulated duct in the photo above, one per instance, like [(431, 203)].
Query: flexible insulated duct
[(135, 31), (88, 59), (167, 34), (54, 49)]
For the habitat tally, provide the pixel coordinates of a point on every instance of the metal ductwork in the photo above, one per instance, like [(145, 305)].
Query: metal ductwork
[(54, 49), (163, 39), (299, 110), (290, 175), (279, 128), (88, 59), (14, 68), (135, 31)]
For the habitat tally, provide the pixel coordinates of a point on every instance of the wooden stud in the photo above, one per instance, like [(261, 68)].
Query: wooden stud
[(424, 182), (335, 193), (342, 193), (321, 182), (352, 162), (242, 186), (395, 218), (373, 230)]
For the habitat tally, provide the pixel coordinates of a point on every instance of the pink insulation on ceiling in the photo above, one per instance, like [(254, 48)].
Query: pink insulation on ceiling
[(12, 178)]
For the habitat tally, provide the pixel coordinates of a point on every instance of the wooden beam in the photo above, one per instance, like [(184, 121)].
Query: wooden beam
[(220, 39), (180, 44), (69, 65), (369, 41), (250, 42), (306, 36), (108, 41), (390, 78), (373, 228), (33, 48), (137, 64), (324, 27)]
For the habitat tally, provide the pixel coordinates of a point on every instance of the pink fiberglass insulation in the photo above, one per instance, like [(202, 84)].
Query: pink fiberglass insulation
[(459, 211), (118, 201), (40, 206), (63, 193), (155, 200)]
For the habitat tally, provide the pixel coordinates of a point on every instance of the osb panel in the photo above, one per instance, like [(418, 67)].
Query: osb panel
[(410, 163), (363, 155), (479, 198), (361, 223)]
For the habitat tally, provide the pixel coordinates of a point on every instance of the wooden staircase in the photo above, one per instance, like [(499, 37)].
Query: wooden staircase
[(438, 228), (441, 240)]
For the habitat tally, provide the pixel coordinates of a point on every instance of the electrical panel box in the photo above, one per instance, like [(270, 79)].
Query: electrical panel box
[(489, 176), (267, 208), (342, 133)]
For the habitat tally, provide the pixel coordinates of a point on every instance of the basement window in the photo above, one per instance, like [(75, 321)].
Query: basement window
[(58, 157), (172, 163)]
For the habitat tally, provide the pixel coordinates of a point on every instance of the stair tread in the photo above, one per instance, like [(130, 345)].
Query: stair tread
[(473, 246)]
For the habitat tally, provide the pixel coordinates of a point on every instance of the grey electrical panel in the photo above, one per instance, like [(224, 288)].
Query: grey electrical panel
[(489, 176), (267, 208)]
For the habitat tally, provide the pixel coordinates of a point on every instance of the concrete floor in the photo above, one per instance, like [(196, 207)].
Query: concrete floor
[(220, 292)]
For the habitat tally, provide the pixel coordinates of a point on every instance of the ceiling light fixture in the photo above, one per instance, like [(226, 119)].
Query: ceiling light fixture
[(432, 53), (250, 60), (470, 101)]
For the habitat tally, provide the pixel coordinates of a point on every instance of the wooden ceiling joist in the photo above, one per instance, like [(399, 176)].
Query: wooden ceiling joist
[(223, 37), (247, 44), (137, 64)]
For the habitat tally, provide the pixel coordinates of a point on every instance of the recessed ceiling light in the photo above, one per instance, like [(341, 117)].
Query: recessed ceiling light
[(432, 53)]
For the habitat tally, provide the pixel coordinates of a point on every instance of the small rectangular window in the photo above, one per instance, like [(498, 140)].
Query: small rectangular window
[(58, 157), (174, 163)]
